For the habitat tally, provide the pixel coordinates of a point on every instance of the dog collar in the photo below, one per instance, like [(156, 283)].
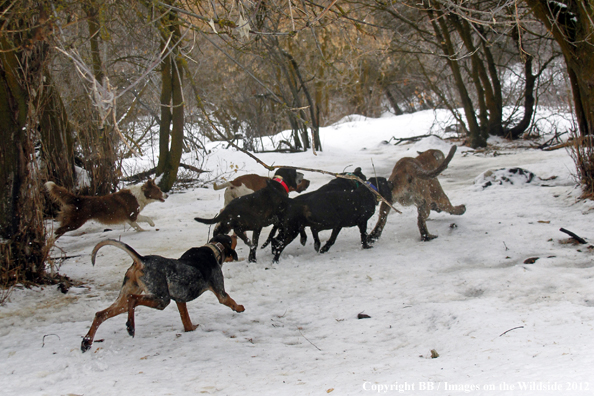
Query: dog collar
[(218, 249), (355, 180), (282, 182), (374, 188)]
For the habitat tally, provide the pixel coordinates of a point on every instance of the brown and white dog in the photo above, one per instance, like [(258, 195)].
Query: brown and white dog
[(123, 206), (247, 184)]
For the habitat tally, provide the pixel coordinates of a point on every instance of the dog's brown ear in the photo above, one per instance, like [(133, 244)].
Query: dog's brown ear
[(233, 256)]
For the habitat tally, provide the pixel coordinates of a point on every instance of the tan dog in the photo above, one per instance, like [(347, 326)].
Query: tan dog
[(415, 183), (247, 184), (123, 206)]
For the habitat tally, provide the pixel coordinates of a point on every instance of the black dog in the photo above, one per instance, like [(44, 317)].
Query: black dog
[(164, 279), (336, 184), (255, 211), (331, 210)]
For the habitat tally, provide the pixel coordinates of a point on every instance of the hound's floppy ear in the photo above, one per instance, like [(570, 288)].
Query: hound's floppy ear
[(233, 255)]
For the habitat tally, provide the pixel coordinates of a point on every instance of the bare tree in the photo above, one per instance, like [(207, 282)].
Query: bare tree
[(24, 52)]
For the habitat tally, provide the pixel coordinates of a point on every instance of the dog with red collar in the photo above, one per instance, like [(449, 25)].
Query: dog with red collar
[(258, 210), (154, 281), (250, 183)]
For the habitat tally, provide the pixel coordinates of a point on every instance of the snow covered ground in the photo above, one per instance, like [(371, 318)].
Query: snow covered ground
[(499, 326)]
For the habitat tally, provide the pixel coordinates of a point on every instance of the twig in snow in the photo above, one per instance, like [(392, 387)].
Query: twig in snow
[(408, 139), (43, 340), (515, 328), (309, 341), (574, 236)]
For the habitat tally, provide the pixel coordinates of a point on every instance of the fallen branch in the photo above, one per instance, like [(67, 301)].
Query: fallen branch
[(145, 175), (574, 236), (192, 168), (572, 142), (547, 146), (409, 139), (139, 176)]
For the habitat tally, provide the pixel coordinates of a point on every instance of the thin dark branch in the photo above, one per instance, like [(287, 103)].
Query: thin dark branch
[(574, 236), (515, 328)]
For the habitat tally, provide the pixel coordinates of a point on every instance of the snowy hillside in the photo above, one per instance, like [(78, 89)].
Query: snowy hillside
[(498, 325)]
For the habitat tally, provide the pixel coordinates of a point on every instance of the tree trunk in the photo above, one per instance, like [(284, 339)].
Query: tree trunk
[(171, 131), (315, 125), (572, 25), (393, 102), (573, 29), (477, 137), (23, 53), (57, 137), (96, 136), (529, 100)]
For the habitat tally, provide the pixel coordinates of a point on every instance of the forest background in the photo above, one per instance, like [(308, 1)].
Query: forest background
[(84, 83)]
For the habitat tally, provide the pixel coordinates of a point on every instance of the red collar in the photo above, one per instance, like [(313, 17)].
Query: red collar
[(282, 182)]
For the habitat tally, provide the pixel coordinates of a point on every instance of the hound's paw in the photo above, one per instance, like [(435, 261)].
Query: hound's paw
[(130, 328), (85, 345)]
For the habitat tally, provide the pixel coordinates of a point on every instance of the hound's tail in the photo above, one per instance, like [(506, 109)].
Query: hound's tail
[(60, 194), (214, 220), (221, 186), (135, 256)]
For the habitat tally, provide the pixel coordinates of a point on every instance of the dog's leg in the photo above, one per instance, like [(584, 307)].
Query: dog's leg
[(316, 238), (135, 300), (270, 236), (226, 299), (241, 234), (447, 207), (135, 225), (303, 236), (118, 307), (381, 222), (145, 219), (331, 241), (254, 247), (364, 236), (285, 237), (423, 211), (69, 224), (440, 201), (185, 317)]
